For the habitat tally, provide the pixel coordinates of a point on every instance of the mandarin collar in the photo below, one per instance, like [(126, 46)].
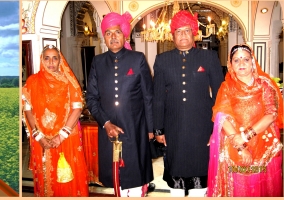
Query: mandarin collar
[(177, 51), (117, 54)]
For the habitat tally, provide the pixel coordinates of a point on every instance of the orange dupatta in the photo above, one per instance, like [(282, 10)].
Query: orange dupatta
[(51, 96), (230, 98)]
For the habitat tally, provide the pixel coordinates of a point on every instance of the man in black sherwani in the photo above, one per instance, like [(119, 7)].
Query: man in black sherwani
[(186, 81), (119, 96)]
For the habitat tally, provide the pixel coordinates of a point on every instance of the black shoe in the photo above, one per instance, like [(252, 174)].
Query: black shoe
[(151, 187)]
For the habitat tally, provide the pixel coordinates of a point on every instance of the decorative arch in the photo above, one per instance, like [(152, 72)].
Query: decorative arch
[(213, 6), (78, 9)]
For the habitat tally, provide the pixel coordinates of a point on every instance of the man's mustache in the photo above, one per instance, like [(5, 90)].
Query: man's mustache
[(114, 41)]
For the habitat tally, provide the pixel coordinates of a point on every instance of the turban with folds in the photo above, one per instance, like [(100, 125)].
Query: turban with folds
[(115, 19), (184, 18)]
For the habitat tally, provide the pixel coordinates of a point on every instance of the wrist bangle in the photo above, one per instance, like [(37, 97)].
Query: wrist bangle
[(27, 107), (250, 133), (35, 132), (106, 123), (244, 137), (68, 128), (39, 136), (241, 148), (77, 105), (64, 133), (158, 132)]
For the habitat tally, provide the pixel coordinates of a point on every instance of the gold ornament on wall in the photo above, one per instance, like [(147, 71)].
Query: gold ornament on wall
[(133, 6), (236, 3), (29, 9)]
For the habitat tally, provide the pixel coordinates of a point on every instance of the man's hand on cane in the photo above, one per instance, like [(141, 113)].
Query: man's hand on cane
[(112, 130)]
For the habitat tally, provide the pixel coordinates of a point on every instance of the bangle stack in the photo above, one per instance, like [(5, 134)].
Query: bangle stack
[(37, 135), (250, 133), (247, 134), (65, 131)]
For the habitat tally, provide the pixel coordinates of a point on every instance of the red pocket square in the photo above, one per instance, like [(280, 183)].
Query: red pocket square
[(201, 69), (130, 72)]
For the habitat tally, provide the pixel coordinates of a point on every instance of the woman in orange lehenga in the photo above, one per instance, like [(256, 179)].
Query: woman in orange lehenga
[(245, 147), (52, 102)]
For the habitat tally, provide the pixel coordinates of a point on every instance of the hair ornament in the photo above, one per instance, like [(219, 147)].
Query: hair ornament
[(240, 49)]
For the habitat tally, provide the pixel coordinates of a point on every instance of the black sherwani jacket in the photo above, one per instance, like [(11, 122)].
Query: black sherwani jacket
[(120, 89), (182, 106)]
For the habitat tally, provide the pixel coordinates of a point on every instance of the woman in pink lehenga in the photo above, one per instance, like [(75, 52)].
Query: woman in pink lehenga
[(245, 147)]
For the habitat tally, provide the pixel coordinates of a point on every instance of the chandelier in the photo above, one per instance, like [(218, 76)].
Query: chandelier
[(210, 30), (160, 30), (223, 29)]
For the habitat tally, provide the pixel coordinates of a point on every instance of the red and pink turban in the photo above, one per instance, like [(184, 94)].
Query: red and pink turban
[(115, 19), (184, 18)]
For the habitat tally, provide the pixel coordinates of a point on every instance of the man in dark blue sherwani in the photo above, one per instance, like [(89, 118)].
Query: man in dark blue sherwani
[(119, 96), (186, 81)]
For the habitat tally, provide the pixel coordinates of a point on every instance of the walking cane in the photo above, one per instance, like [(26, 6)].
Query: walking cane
[(117, 162)]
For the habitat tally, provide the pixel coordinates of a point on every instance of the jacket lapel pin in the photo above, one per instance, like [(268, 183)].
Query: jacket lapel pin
[(130, 72), (201, 69)]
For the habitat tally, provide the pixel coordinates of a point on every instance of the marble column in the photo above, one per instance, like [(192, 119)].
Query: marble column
[(274, 62)]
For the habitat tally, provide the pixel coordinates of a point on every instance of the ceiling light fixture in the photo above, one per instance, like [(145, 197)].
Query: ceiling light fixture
[(264, 10)]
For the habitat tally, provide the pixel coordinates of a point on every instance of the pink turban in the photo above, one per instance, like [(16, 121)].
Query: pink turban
[(115, 19), (184, 18)]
